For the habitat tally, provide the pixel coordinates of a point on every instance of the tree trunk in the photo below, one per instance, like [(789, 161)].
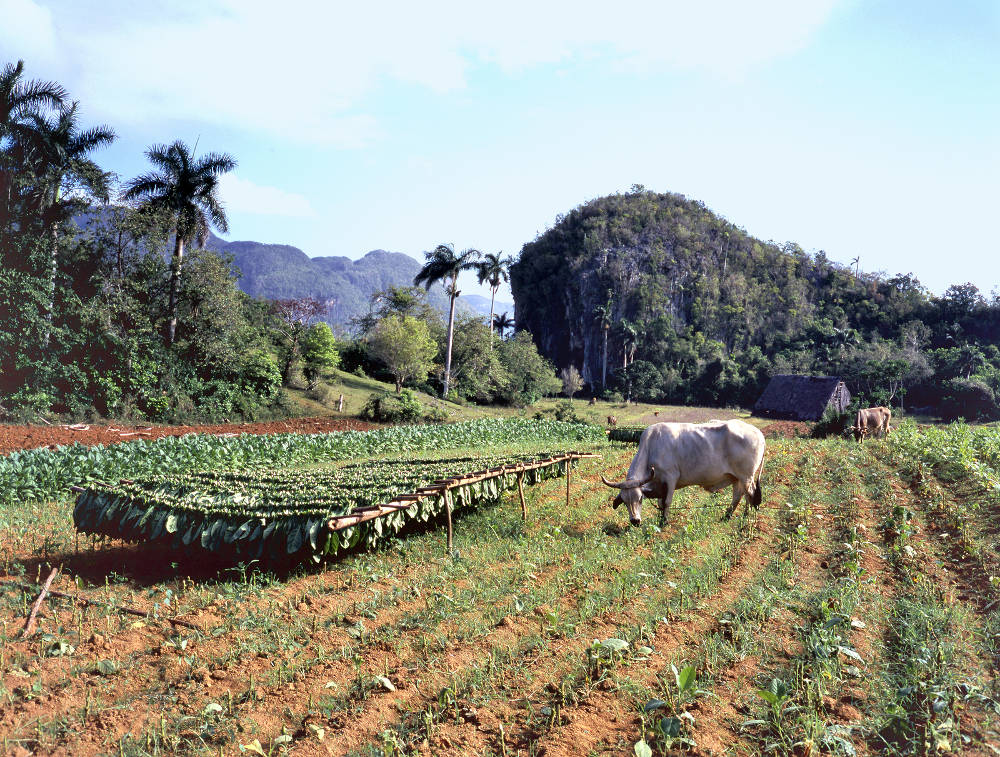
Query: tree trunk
[(399, 385), (451, 329), (493, 294), (53, 264), (604, 368), (175, 283)]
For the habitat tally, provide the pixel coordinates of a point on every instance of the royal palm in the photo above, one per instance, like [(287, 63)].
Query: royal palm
[(493, 270), (444, 264), (187, 188)]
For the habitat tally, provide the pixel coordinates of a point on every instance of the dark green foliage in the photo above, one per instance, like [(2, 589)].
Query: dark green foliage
[(833, 423), (969, 398), (697, 311), (387, 407), (86, 297)]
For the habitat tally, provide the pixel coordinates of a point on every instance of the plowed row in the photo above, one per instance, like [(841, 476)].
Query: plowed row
[(492, 652)]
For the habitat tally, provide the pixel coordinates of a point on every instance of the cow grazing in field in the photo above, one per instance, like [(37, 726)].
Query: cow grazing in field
[(711, 455), (612, 420), (872, 420)]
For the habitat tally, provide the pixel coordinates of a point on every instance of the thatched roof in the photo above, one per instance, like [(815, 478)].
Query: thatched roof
[(801, 398)]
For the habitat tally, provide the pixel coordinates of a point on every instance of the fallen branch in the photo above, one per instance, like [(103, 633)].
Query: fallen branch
[(93, 603), (29, 626)]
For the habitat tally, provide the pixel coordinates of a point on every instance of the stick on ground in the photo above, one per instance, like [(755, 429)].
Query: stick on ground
[(29, 626)]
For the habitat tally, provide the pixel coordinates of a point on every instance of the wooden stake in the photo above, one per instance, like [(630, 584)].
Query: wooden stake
[(569, 467), (29, 626), (447, 507), (520, 493)]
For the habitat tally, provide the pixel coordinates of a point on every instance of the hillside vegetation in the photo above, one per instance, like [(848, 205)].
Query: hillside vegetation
[(696, 310)]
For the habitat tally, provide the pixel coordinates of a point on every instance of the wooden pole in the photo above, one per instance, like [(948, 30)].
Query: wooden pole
[(569, 467), (447, 507), (520, 493), (29, 626)]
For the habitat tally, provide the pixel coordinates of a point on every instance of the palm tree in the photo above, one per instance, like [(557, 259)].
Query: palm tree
[(502, 323), (19, 100), (188, 189), (629, 341), (602, 313), (443, 264), (64, 149), (494, 270)]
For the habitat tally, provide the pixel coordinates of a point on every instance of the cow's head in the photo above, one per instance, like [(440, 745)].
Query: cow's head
[(631, 493)]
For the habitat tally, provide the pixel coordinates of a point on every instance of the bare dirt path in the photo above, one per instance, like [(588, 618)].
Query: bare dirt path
[(13, 438)]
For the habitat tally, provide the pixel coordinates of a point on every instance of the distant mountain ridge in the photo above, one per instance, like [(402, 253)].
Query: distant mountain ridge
[(280, 271)]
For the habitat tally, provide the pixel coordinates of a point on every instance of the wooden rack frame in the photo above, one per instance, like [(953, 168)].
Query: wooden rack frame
[(443, 487)]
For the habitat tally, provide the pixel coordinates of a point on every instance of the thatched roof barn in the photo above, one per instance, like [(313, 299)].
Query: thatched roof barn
[(802, 398)]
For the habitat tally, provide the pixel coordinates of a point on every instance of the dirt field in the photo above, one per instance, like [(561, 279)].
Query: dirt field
[(29, 437), (850, 598)]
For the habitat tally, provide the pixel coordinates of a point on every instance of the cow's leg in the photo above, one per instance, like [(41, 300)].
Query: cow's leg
[(665, 502), (739, 489)]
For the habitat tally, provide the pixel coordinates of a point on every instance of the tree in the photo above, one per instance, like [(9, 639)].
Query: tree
[(603, 315), (502, 323), (319, 351), (443, 264), (571, 381), (493, 270), (188, 188), (477, 372), (20, 100), (404, 345), (529, 375), (629, 341), (65, 149), (294, 316)]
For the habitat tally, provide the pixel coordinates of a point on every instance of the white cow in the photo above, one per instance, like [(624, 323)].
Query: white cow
[(711, 455)]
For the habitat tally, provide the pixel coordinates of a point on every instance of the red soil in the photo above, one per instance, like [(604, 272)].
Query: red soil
[(28, 437)]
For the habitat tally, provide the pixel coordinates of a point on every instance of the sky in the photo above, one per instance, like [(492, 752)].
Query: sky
[(863, 129)]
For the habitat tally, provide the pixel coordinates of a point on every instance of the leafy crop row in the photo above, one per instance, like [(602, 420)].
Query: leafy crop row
[(626, 434), (273, 511), (42, 474)]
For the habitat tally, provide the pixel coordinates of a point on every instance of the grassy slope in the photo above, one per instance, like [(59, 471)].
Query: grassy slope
[(356, 390)]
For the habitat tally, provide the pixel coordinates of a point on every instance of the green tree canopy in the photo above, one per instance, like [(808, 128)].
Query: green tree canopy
[(404, 345)]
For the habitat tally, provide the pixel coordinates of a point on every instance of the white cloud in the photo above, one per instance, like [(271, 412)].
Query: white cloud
[(302, 70), (246, 197), (26, 32)]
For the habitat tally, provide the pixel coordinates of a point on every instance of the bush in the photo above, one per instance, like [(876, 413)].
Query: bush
[(565, 412), (386, 407), (436, 414), (969, 398), (833, 423), (322, 393)]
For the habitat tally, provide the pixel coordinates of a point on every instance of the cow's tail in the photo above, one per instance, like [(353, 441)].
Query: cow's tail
[(757, 494)]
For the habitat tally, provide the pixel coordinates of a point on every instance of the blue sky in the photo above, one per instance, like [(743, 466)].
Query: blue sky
[(866, 129)]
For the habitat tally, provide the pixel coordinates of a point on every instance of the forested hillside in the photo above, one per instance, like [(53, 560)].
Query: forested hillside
[(696, 310)]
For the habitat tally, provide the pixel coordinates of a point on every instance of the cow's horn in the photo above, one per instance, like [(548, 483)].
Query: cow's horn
[(626, 484)]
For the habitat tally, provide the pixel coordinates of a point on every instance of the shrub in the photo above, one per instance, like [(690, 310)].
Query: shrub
[(436, 414), (833, 423), (564, 411), (322, 393), (386, 407), (970, 398)]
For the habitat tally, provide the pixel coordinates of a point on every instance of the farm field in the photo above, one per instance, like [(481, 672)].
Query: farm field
[(857, 612)]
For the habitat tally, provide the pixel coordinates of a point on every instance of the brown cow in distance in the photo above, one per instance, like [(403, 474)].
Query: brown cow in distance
[(612, 421), (872, 420)]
